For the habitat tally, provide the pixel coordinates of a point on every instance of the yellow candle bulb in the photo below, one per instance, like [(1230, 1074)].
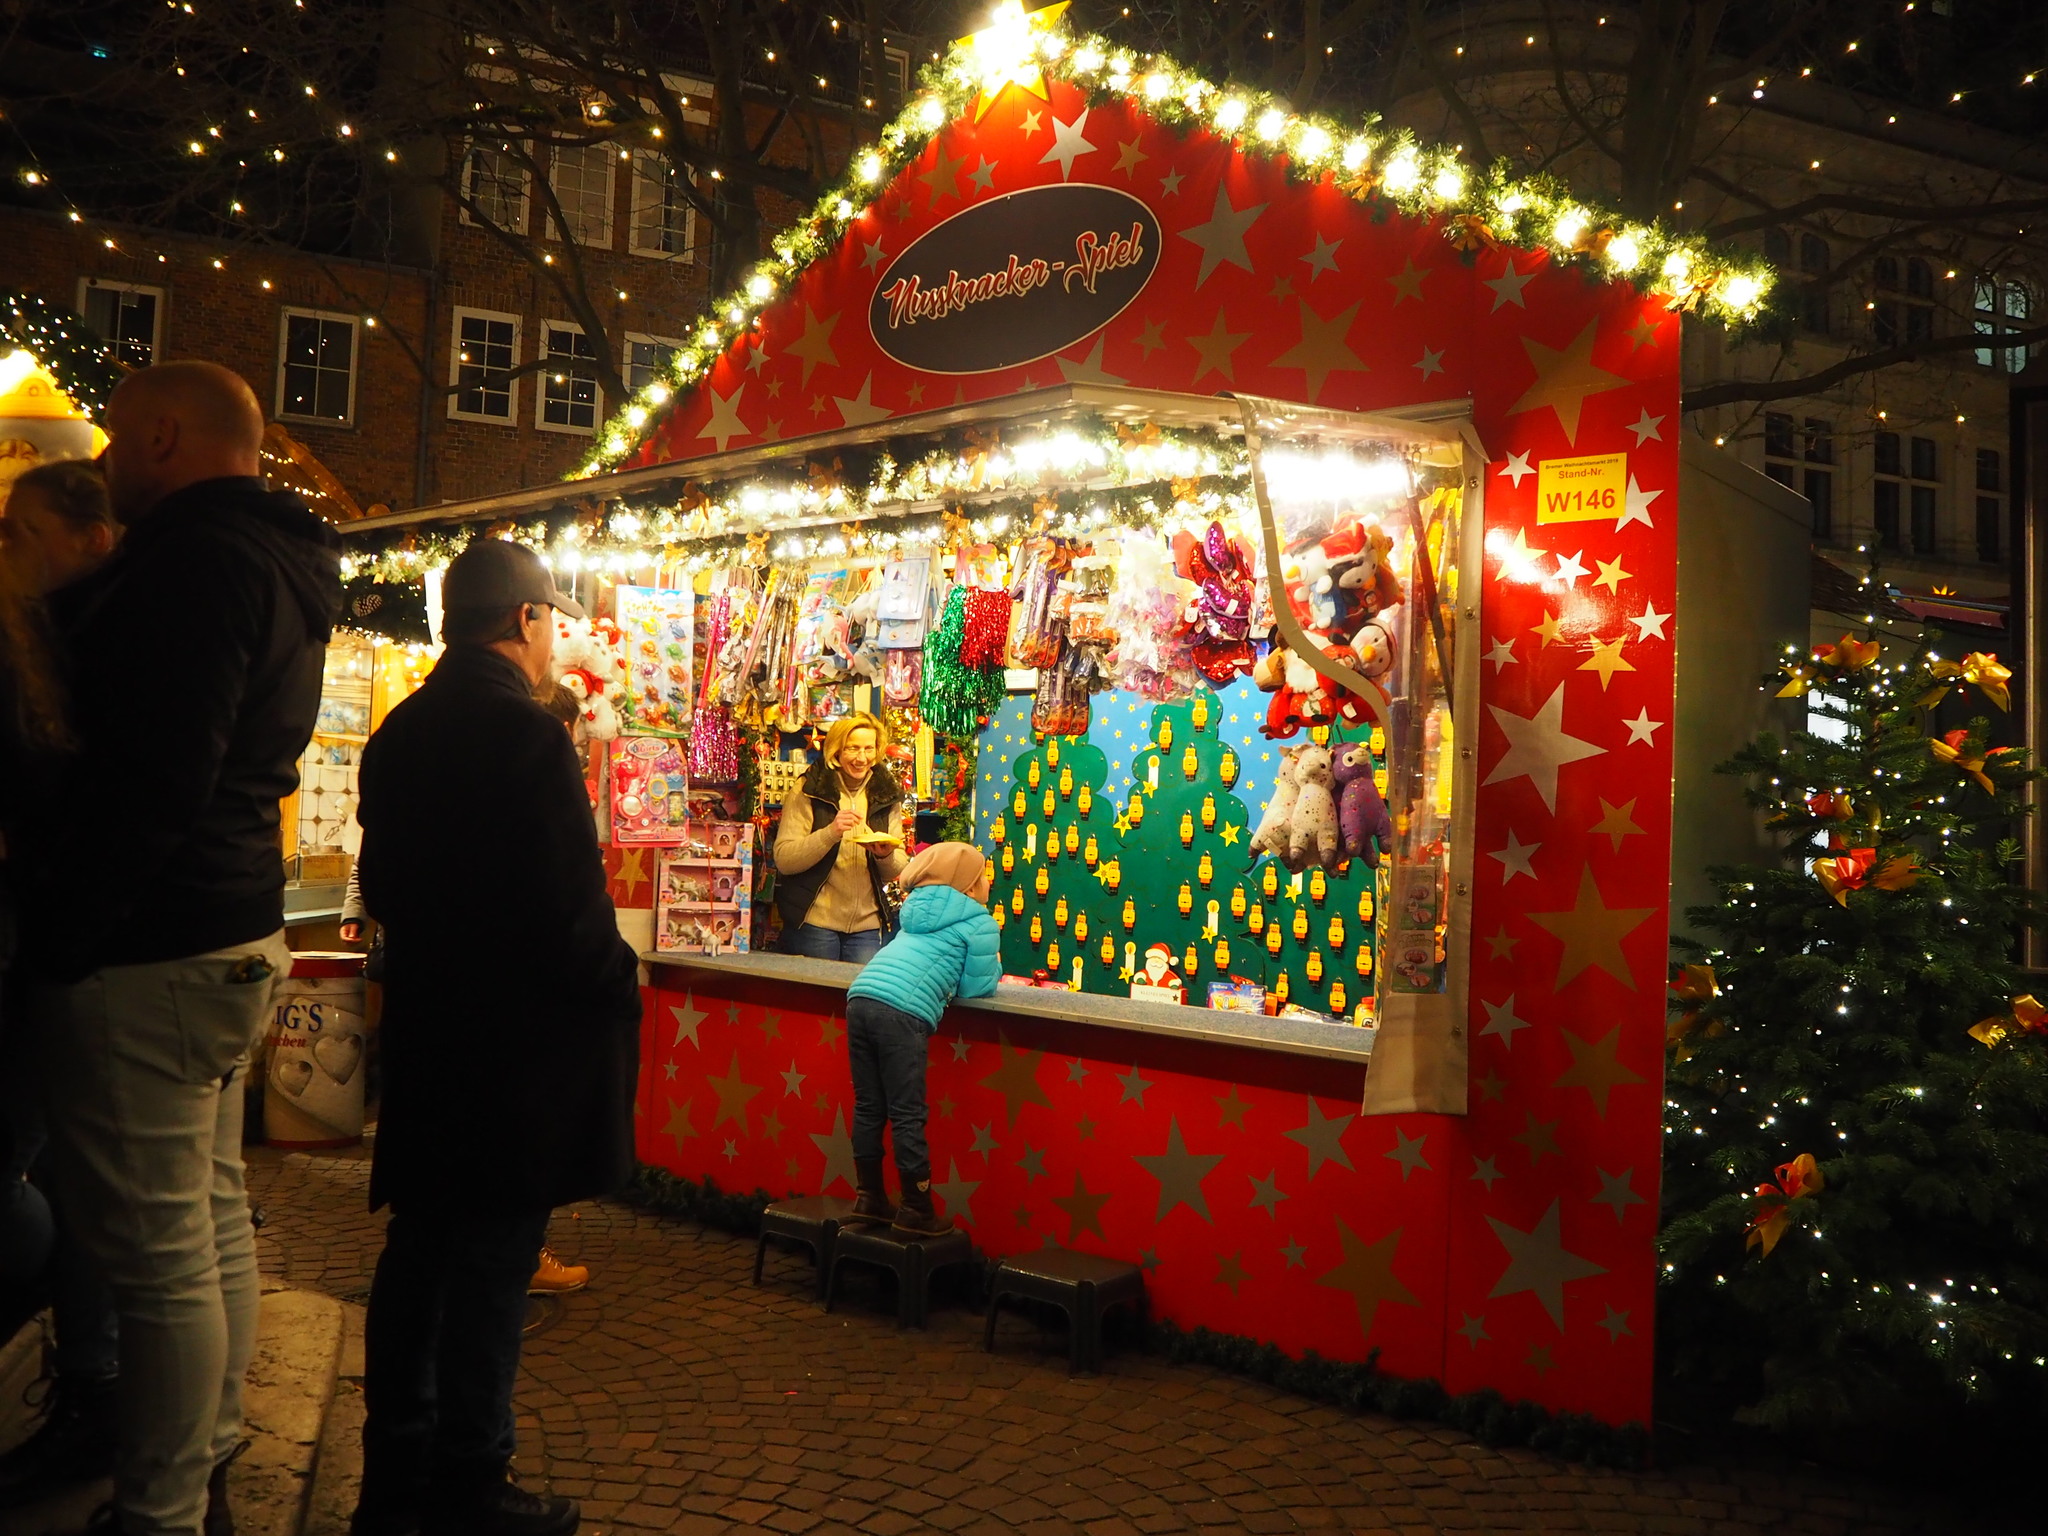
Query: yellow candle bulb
[(1337, 998), (996, 912), (1271, 881), (1052, 845), (1336, 931), (1228, 769), (995, 830), (1256, 919), (1137, 811), (1191, 959), (1318, 887), (1059, 913), (1314, 968), (1108, 950), (1365, 906), (1073, 840), (1190, 765), (1273, 940), (1198, 712), (1300, 925), (1052, 753), (1280, 988), (1237, 902), (1037, 930), (1066, 783), (1080, 927), (1166, 735), (1051, 804), (1043, 883), (1208, 813), (1319, 734), (1052, 955), (1017, 901), (1205, 871), (1130, 914), (1187, 829), (1186, 900), (1090, 853), (1009, 858), (1362, 961), (1114, 876), (1017, 805), (1031, 773), (1084, 802), (1222, 955)]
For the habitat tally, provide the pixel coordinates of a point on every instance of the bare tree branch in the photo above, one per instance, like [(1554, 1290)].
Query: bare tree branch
[(1731, 391)]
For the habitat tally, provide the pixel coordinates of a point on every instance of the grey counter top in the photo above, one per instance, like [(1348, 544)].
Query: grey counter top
[(1300, 1037)]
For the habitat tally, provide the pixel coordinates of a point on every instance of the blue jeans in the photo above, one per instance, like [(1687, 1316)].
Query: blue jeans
[(887, 1047), (441, 1351), (830, 944)]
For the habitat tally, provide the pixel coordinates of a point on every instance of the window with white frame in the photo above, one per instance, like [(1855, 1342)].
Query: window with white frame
[(664, 222), (581, 178), (2002, 306), (485, 350), (647, 359), (128, 317), (568, 398), (316, 367), (494, 182)]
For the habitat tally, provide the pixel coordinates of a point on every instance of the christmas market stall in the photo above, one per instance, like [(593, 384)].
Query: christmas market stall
[(1260, 535)]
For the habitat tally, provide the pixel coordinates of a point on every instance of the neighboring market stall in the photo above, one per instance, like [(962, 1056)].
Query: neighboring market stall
[(1261, 536)]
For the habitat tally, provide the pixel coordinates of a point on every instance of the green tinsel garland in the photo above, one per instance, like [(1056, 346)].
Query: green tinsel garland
[(1485, 1415), (957, 698), (76, 358)]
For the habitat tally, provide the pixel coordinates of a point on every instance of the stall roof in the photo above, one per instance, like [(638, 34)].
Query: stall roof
[(1437, 422)]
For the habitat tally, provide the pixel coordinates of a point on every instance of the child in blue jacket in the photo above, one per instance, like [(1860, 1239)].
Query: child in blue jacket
[(946, 946)]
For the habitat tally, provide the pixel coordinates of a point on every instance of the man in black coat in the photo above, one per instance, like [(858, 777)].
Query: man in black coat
[(511, 1047), (154, 906)]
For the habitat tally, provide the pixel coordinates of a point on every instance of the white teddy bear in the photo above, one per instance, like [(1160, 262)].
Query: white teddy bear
[(1312, 833), (1272, 834), (591, 663)]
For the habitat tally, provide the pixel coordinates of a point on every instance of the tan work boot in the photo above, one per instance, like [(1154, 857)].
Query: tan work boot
[(554, 1278)]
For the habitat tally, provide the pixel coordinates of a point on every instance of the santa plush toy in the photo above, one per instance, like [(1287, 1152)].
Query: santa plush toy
[(590, 661)]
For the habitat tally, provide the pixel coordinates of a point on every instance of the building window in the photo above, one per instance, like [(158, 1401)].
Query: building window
[(1813, 265), (648, 359), (664, 222), (568, 382), (1990, 504), (1908, 478), (126, 316), (316, 367), (1802, 458), (1903, 311), (494, 186), (485, 348), (581, 178), (2002, 307)]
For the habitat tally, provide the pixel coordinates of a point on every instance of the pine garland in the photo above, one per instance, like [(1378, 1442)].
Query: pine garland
[(79, 361), (1485, 1415)]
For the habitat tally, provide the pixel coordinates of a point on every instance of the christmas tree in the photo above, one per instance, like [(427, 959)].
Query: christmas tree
[(1856, 1151), (1056, 889)]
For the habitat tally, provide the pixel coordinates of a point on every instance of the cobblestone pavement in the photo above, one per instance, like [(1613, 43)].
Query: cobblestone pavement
[(674, 1396)]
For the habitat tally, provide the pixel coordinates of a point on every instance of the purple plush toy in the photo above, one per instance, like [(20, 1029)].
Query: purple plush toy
[(1361, 813)]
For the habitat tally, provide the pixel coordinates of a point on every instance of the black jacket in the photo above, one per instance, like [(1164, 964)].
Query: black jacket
[(194, 664), (795, 893), (511, 1004)]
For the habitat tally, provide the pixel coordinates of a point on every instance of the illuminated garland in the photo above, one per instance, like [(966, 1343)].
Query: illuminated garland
[(1371, 163), (61, 342)]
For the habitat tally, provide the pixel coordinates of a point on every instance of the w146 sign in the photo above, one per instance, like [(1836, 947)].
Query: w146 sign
[(1015, 279)]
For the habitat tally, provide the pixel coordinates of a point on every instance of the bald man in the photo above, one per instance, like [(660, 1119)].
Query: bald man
[(156, 897)]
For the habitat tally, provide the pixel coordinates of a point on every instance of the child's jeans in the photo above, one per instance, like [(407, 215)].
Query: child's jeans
[(887, 1047)]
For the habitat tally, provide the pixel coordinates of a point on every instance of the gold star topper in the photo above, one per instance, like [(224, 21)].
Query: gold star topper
[(1006, 52)]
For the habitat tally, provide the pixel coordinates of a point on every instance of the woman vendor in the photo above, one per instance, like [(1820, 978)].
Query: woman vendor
[(828, 876)]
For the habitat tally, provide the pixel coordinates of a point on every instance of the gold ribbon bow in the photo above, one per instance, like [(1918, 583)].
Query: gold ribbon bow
[(953, 531), (1796, 1180), (825, 478), (757, 548), (1185, 488), (1361, 185), (1851, 871), (2028, 1017), (1980, 667), (1141, 436), (1950, 749), (1042, 510), (1469, 233), (1847, 654), (1693, 984)]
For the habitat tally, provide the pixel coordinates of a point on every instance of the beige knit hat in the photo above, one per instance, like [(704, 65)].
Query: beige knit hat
[(959, 865)]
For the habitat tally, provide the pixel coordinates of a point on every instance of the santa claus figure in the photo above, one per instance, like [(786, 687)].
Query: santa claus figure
[(1159, 983)]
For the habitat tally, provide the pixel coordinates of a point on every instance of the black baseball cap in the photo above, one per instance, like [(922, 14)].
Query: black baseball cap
[(496, 573)]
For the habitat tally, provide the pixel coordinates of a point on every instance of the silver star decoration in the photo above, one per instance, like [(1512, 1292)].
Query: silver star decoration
[(1646, 428), (960, 1048), (1067, 144), (1501, 1021), (1033, 1163), (1502, 655), (793, 1082), (757, 357), (1539, 1262), (1617, 1193), (1473, 1329), (1088, 370), (1180, 1174), (724, 424), (1516, 467), (861, 409), (872, 255), (1514, 859), (689, 1017), (1636, 506), (1538, 747), (1169, 184), (983, 175), (1323, 1136), (1484, 1172), (956, 1192), (985, 1139), (1643, 729), (1323, 258), (732, 1150), (668, 1069), (1408, 1154), (838, 1149), (1267, 1194), (1432, 361), (1616, 1324), (1134, 1087), (1569, 568), (1222, 237), (1650, 623), (1507, 288), (1076, 1071), (1295, 1254)]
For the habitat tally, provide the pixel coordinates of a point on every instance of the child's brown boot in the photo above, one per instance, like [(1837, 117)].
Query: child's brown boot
[(916, 1215), (871, 1200)]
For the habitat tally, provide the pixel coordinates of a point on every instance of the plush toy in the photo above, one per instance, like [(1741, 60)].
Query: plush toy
[(1271, 836), (590, 661), (1312, 828), (1362, 818)]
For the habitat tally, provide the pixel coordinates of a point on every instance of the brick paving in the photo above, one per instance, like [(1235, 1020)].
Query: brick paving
[(673, 1396)]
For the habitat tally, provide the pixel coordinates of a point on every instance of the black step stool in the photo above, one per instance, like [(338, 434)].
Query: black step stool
[(1080, 1284), (913, 1259), (812, 1222)]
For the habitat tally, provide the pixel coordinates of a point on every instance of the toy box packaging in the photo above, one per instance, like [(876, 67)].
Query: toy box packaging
[(704, 890)]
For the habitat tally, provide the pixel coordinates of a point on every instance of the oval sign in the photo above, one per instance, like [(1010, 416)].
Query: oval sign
[(1015, 279)]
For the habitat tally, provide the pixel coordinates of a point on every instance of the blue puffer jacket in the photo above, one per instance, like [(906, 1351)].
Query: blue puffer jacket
[(948, 946)]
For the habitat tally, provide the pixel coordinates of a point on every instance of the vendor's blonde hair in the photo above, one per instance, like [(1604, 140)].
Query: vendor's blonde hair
[(835, 738)]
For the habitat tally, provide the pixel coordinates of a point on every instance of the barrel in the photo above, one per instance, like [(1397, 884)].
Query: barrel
[(314, 1055)]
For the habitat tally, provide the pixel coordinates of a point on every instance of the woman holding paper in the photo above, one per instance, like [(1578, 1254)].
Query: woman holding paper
[(841, 838)]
